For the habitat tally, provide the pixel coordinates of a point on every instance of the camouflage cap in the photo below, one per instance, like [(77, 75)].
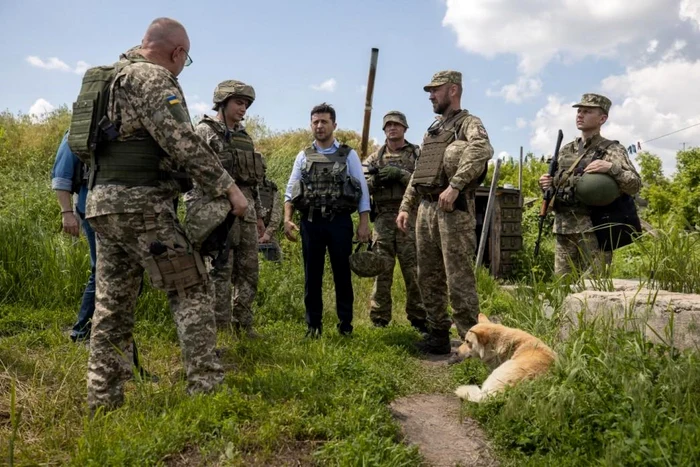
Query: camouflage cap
[(395, 116), (594, 100), (230, 88), (444, 77)]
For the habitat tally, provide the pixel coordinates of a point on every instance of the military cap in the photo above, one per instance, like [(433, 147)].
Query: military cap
[(594, 100), (395, 116), (444, 77), (231, 88)]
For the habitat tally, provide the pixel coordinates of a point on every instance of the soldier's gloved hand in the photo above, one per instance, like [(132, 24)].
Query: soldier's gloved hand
[(390, 174)]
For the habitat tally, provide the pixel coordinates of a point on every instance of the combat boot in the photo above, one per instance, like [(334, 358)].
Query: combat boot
[(437, 342), (421, 326)]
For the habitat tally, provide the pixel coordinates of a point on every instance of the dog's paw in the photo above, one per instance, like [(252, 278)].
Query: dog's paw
[(470, 393)]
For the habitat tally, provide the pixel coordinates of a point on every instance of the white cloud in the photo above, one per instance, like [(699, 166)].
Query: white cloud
[(40, 110), (653, 44), (503, 155), (648, 102), (540, 31), (689, 10), (54, 63), (198, 108), (519, 91), (520, 122), (326, 86)]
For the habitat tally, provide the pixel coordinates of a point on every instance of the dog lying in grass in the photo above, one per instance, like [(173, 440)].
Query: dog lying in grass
[(512, 355)]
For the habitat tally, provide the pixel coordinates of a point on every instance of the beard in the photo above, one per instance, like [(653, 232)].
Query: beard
[(440, 107)]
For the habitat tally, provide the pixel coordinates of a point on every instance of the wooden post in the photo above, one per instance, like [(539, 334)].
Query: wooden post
[(368, 102), (520, 179), (485, 231)]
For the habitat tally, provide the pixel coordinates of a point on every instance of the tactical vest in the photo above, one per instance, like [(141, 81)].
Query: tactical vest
[(565, 201), (238, 156), (93, 137), (80, 177), (267, 191), (393, 193), (429, 176), (325, 184)]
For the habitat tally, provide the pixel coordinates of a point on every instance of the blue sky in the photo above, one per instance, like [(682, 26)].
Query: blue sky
[(523, 63)]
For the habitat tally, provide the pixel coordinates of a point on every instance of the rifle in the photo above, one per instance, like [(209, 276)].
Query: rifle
[(549, 192)]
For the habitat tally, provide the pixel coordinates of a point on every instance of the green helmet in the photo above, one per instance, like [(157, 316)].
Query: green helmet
[(208, 222), (231, 88), (595, 189), (368, 263)]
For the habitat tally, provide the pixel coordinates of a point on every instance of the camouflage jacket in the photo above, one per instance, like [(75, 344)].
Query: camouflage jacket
[(461, 167), (275, 213), (217, 143), (622, 171), (147, 99)]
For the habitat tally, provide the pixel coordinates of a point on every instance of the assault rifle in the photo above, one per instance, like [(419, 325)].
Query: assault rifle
[(549, 192)]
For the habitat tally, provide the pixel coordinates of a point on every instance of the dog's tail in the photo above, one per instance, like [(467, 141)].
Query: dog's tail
[(470, 393)]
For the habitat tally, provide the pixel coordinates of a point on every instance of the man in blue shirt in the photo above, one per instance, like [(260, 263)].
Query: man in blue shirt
[(326, 185), (69, 177)]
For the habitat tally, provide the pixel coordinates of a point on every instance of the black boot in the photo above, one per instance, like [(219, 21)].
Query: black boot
[(421, 326), (437, 342)]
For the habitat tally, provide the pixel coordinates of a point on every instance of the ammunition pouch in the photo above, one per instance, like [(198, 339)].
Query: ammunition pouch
[(173, 265)]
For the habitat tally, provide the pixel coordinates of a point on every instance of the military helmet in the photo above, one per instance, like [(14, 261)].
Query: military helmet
[(208, 222), (232, 88), (368, 263), (596, 189)]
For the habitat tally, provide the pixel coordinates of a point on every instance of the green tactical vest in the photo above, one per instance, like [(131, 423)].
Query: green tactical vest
[(325, 183), (429, 176), (565, 200), (393, 193), (238, 157), (267, 191)]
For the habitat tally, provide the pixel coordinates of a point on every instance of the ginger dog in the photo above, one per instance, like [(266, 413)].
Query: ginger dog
[(512, 355)]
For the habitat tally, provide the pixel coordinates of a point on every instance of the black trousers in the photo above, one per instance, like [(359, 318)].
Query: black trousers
[(334, 234)]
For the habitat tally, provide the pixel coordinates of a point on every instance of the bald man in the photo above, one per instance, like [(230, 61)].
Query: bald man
[(147, 133)]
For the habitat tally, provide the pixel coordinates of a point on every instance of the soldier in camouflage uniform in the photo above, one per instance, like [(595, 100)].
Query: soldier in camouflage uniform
[(454, 156), (130, 207), (576, 243), (272, 217), (389, 171), (228, 138)]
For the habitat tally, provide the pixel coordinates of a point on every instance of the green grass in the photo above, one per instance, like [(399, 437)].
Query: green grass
[(611, 399)]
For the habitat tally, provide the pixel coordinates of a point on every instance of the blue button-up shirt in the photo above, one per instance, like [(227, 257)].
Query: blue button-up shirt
[(354, 169), (65, 165)]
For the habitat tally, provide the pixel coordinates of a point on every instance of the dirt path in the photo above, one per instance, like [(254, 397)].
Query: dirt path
[(432, 422)]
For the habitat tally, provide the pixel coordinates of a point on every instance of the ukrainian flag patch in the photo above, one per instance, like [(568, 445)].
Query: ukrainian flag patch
[(172, 100)]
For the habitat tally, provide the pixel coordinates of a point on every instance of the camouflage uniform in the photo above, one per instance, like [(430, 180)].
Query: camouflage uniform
[(238, 276), (389, 240), (576, 243), (272, 216), (138, 229), (446, 241)]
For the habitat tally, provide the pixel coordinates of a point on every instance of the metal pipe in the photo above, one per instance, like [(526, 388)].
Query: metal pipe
[(485, 229), (368, 102)]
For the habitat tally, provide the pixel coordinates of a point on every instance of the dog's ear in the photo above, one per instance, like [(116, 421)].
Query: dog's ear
[(482, 337), (483, 318)]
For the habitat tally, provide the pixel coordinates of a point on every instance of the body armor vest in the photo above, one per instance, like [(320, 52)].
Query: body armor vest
[(238, 156), (429, 176), (326, 184), (267, 191), (392, 193), (565, 201), (128, 163)]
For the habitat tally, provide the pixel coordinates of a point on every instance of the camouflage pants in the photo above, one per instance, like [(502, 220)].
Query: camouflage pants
[(445, 243), (236, 283), (392, 242), (123, 242), (580, 251)]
